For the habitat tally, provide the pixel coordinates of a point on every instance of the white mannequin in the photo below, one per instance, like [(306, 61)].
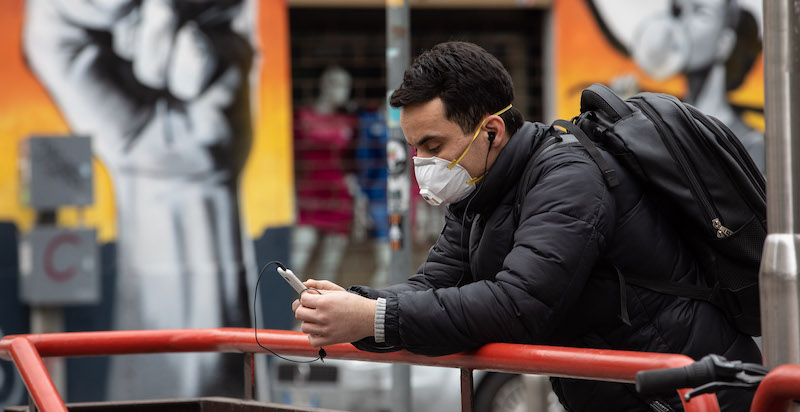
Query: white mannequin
[(335, 87)]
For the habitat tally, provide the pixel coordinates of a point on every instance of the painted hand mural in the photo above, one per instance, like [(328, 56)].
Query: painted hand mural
[(161, 86)]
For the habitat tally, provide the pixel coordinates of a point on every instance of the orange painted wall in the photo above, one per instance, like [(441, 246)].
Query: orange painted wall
[(266, 195), (268, 179)]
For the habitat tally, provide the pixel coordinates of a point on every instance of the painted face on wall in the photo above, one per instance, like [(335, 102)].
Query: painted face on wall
[(694, 35)]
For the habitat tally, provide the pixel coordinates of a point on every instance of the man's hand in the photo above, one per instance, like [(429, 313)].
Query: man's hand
[(335, 316), (322, 285)]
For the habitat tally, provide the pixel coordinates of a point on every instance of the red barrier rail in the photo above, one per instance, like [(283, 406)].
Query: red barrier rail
[(607, 365), (778, 389)]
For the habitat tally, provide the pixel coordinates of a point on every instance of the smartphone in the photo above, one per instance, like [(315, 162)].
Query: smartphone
[(293, 281)]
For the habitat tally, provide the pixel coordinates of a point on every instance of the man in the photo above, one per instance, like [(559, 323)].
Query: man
[(539, 275)]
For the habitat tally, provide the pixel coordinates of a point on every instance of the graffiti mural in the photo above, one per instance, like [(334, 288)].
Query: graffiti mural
[(707, 52), (188, 107)]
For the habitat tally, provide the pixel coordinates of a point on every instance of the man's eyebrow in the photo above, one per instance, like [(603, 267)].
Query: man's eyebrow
[(424, 140)]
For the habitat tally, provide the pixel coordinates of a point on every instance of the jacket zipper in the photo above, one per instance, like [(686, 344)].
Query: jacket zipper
[(710, 212)]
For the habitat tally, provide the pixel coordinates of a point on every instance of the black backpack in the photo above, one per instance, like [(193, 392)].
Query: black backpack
[(698, 170)]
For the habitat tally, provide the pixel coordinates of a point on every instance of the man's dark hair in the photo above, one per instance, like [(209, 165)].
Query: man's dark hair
[(471, 83)]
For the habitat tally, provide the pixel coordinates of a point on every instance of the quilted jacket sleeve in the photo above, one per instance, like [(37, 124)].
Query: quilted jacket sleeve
[(564, 223)]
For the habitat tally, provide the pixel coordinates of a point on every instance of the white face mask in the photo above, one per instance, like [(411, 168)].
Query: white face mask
[(445, 181), (438, 183)]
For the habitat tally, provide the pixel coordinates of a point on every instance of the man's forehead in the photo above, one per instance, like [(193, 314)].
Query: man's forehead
[(432, 110), (425, 121)]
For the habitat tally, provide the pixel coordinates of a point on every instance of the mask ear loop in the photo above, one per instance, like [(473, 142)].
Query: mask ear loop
[(475, 136), (464, 153)]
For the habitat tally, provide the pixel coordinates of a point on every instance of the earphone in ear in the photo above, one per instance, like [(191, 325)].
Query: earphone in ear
[(491, 137)]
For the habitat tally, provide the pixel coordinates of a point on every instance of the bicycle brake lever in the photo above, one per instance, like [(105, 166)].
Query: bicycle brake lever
[(715, 386), (748, 379)]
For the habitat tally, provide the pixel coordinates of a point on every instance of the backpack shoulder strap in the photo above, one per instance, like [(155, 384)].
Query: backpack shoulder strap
[(575, 135), (608, 172), (673, 288), (667, 287)]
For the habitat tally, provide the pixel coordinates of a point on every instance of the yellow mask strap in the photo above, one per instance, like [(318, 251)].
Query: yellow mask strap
[(475, 136), (475, 179)]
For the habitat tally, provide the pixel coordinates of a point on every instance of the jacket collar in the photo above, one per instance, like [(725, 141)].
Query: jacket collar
[(505, 172)]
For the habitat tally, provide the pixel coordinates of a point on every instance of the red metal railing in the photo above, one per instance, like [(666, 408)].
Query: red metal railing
[(620, 366), (778, 389)]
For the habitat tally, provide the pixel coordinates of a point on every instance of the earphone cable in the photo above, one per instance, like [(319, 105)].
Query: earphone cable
[(466, 210), (322, 354)]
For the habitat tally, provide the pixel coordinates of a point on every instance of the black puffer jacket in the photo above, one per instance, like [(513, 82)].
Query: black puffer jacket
[(490, 278)]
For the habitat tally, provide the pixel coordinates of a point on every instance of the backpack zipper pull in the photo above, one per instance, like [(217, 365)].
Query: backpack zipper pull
[(722, 231)]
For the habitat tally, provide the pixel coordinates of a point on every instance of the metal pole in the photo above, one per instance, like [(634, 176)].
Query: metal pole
[(397, 59), (249, 376), (780, 289), (50, 319), (467, 390), (550, 111)]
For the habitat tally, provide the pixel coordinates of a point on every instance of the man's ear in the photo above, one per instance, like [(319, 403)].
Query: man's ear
[(495, 129)]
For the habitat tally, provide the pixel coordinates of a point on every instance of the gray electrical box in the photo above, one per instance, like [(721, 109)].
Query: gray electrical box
[(55, 171), (59, 266)]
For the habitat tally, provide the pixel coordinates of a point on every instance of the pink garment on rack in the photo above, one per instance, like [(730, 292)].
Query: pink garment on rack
[(321, 141)]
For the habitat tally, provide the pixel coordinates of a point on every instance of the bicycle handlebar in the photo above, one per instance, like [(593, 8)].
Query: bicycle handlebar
[(709, 374), (665, 380)]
